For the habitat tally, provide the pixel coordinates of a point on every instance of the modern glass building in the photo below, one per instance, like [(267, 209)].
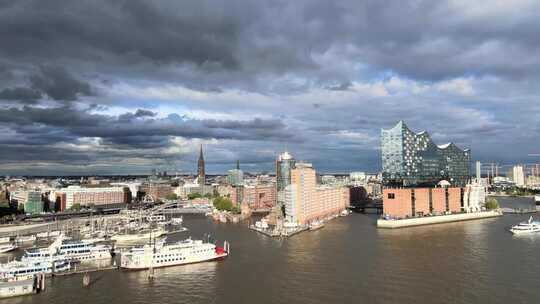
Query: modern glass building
[(284, 163), (235, 177), (34, 204), (412, 159)]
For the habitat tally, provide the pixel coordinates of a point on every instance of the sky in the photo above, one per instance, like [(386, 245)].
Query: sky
[(125, 86)]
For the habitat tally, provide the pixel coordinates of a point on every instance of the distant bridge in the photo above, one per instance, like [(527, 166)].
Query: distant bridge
[(369, 205), (180, 208)]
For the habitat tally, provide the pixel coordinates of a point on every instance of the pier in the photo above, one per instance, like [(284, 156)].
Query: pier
[(518, 211), (279, 233), (84, 270)]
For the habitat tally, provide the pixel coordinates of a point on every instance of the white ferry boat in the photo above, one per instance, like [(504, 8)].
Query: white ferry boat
[(526, 227), (72, 250), (179, 253), (7, 247), (19, 270), (156, 218), (140, 236), (177, 221)]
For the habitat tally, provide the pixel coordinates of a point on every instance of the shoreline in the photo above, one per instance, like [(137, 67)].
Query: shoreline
[(439, 219)]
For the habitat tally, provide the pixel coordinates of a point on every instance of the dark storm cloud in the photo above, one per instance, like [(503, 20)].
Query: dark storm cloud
[(22, 94), (68, 125), (233, 41), (58, 84), (62, 62), (51, 81)]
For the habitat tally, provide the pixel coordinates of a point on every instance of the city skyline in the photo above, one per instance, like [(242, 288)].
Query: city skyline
[(145, 84)]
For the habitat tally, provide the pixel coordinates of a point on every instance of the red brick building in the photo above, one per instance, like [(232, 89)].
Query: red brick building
[(409, 202)]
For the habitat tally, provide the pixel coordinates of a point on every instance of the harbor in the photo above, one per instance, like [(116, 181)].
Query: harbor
[(372, 256), (95, 244)]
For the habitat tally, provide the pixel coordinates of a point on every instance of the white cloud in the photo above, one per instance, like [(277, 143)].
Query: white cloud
[(458, 86)]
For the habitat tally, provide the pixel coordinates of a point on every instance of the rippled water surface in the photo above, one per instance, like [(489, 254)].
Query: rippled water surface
[(348, 261)]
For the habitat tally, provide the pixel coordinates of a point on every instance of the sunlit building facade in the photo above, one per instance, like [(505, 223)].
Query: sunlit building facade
[(306, 201)]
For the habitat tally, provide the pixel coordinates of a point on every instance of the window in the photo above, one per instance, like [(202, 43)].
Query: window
[(391, 195)]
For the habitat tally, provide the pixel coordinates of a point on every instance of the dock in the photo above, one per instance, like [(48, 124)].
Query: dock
[(84, 270), (276, 233), (518, 211)]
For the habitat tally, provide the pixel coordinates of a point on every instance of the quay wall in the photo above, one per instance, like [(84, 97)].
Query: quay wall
[(429, 220)]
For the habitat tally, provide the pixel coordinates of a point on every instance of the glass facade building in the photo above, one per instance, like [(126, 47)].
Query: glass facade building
[(412, 159), (284, 163)]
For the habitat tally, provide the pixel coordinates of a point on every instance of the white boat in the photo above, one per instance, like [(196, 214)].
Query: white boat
[(344, 212), (21, 270), (26, 239), (48, 234), (262, 224), (162, 254), (155, 218), (7, 247), (529, 226), (71, 250), (177, 221), (139, 236), (314, 225)]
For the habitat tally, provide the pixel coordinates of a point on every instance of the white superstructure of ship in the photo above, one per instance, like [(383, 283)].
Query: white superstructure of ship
[(138, 236), (21, 270), (162, 254), (71, 250), (527, 227)]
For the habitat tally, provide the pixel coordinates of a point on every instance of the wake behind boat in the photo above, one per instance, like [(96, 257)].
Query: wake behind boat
[(527, 227)]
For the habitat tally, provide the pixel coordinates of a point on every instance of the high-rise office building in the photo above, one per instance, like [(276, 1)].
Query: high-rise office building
[(412, 159), (235, 176), (201, 174), (284, 163), (478, 171), (518, 176)]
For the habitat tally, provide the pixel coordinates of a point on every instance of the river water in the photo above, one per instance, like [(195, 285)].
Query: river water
[(348, 261)]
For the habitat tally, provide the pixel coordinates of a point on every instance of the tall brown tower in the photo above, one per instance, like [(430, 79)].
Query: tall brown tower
[(200, 169)]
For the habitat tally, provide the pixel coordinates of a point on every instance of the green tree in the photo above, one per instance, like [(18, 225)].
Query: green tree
[(194, 195), (223, 203), (76, 207), (172, 196), (492, 203)]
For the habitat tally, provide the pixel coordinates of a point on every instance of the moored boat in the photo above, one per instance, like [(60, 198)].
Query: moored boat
[(161, 254), (314, 225), (7, 247), (139, 236), (21, 270), (72, 250)]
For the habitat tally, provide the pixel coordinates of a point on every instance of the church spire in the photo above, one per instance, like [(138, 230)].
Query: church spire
[(201, 154), (201, 176)]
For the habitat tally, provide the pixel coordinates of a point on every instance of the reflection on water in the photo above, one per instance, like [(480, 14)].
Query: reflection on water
[(348, 261)]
